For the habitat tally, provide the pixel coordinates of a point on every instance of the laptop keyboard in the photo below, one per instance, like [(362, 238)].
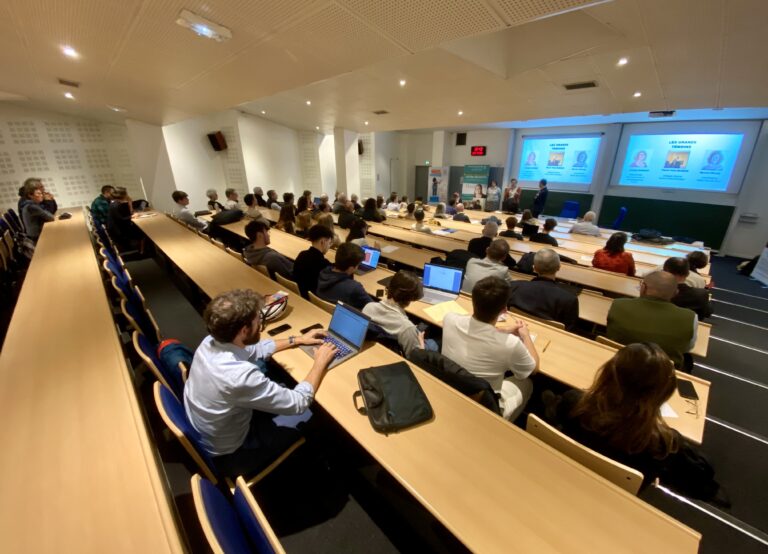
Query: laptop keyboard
[(341, 348)]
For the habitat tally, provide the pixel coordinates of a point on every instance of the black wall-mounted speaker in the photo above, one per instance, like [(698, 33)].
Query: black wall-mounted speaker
[(360, 148), (218, 142), (461, 139)]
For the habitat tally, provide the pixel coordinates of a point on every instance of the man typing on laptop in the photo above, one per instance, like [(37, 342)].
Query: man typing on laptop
[(228, 398)]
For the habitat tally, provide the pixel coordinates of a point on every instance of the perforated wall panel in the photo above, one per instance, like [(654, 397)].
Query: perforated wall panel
[(367, 168), (310, 162)]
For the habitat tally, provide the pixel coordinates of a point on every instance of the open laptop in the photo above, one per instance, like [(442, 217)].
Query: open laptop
[(370, 261), (441, 283), (346, 331)]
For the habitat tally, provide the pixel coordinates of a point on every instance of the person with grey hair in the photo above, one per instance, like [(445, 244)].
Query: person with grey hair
[(586, 226), (340, 204), (479, 245), (654, 318), (259, 194), (543, 296), (492, 265), (440, 211), (213, 204), (233, 199), (460, 215)]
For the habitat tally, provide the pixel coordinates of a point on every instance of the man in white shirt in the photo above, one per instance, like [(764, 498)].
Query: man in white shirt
[(492, 265), (586, 226), (233, 200), (228, 398), (475, 343), (183, 213), (419, 226)]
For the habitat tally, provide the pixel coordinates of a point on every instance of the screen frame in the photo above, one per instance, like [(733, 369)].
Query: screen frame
[(461, 278), (357, 313)]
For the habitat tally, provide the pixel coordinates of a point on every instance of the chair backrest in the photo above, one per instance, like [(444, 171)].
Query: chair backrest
[(320, 303), (141, 319), (146, 351), (608, 342), (262, 269), (620, 218), (14, 220), (234, 253), (517, 276), (172, 413), (218, 519), (625, 477), (218, 243), (254, 520), (570, 209), (529, 230), (287, 283), (550, 322)]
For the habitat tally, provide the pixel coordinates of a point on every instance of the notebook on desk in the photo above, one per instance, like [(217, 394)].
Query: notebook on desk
[(370, 261), (441, 283), (346, 332)]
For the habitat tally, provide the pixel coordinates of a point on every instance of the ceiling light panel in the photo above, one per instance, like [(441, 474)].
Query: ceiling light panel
[(517, 12), (420, 24)]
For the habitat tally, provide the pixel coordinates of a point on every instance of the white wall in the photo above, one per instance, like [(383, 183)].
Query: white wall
[(386, 149), (327, 153), (352, 162), (415, 149), (497, 141), (150, 156)]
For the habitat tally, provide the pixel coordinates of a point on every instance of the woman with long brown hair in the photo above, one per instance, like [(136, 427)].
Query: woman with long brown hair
[(287, 219), (620, 417)]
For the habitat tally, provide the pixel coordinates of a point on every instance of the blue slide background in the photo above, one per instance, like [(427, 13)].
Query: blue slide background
[(689, 162), (567, 151)]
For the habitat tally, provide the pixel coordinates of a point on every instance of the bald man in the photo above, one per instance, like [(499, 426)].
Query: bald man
[(653, 318)]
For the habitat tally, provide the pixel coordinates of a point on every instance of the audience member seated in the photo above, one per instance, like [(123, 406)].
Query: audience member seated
[(688, 296), (393, 205), (259, 194), (303, 223), (370, 212), (228, 397), (613, 257), (528, 219), (494, 264), (303, 203), (120, 225), (419, 226), (543, 297), (272, 203), (618, 416), (259, 252), (286, 221), (510, 232), (479, 245), (380, 207), (340, 203), (213, 201), (440, 211), (459, 214), (355, 202), (358, 233), (337, 282), (653, 318), (450, 208), (288, 201), (325, 218), (347, 215), (389, 314), (586, 226), (100, 204), (183, 213), (697, 260), (409, 210), (489, 352), (233, 200), (252, 208), (403, 202), (312, 261), (32, 213), (544, 236)]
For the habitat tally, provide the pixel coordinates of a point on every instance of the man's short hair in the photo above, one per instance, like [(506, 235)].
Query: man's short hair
[(550, 223), (179, 195), (210, 192), (418, 215), (697, 259), (229, 192), (498, 250), (249, 199), (410, 207), (489, 298), (677, 266), (230, 311), (107, 188), (543, 182), (511, 222), (287, 197), (317, 232), (491, 229), (348, 254), (254, 228), (546, 262), (271, 193), (404, 288)]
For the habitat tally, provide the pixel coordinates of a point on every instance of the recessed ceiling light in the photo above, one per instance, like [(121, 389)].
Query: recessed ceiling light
[(116, 108), (461, 112), (69, 95), (70, 52), (638, 94), (622, 61), (365, 122), (317, 127), (263, 112), (402, 82), (309, 102), (203, 27)]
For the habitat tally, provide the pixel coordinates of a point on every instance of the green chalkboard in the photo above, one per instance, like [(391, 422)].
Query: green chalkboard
[(706, 222), (555, 201)]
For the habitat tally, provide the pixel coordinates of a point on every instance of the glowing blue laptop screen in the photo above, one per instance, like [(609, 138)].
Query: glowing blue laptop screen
[(371, 256), (442, 278), (349, 325)]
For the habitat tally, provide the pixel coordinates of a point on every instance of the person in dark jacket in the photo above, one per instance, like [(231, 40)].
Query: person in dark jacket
[(337, 282), (479, 245), (310, 262), (346, 215), (510, 232), (259, 252), (120, 223), (370, 211), (259, 194), (541, 199), (544, 236), (543, 297), (687, 296), (33, 215), (618, 416)]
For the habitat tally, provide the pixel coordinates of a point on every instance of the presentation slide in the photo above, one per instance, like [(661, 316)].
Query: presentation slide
[(691, 161), (559, 159)]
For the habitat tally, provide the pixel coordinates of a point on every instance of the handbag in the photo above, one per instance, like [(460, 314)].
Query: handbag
[(392, 398)]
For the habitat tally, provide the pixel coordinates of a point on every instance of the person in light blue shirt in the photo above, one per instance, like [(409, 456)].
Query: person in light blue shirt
[(230, 400)]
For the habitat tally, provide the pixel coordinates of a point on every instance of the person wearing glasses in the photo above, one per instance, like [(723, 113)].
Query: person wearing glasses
[(230, 399)]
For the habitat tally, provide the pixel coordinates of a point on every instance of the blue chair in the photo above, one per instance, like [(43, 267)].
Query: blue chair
[(570, 210), (254, 520), (14, 220), (169, 377), (620, 218), (231, 530)]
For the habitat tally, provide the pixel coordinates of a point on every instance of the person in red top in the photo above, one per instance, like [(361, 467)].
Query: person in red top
[(613, 258)]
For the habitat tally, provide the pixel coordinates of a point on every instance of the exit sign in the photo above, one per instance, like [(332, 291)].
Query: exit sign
[(478, 150)]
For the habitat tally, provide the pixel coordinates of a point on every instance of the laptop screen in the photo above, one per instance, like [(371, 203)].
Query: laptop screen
[(371, 256), (442, 278), (349, 324)]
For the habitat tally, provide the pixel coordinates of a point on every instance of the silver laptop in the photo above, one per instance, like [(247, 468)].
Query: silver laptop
[(346, 332), (370, 261), (441, 283)]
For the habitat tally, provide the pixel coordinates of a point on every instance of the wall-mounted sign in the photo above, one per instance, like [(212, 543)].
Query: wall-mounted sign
[(478, 150)]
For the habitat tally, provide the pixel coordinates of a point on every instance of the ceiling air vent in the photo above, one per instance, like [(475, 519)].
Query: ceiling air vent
[(66, 83), (580, 86), (661, 113), (381, 112)]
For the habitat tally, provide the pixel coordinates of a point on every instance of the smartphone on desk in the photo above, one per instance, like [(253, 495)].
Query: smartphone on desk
[(279, 329), (311, 327), (686, 389)]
